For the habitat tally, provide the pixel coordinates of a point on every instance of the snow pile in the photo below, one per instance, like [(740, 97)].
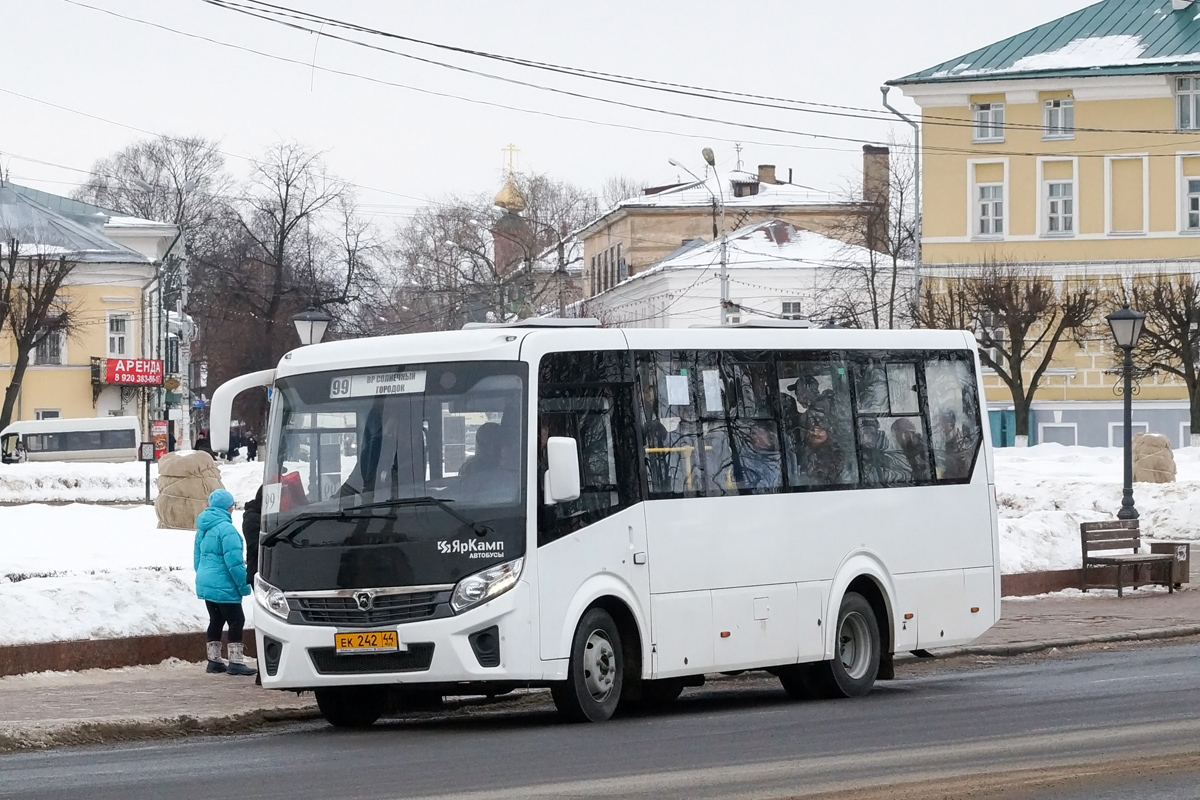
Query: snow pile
[(1044, 492), (57, 481), (94, 572)]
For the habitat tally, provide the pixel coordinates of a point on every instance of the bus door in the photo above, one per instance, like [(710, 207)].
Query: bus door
[(598, 540)]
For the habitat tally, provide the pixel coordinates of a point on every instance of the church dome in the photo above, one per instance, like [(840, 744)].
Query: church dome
[(509, 196)]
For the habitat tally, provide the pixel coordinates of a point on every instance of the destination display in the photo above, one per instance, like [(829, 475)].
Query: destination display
[(377, 383)]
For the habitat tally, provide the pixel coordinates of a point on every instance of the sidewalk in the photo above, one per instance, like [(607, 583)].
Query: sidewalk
[(177, 698)]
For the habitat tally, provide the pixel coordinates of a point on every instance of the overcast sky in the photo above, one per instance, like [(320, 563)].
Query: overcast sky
[(77, 83)]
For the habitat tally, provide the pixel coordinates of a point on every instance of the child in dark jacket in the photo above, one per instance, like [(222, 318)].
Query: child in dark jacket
[(221, 582)]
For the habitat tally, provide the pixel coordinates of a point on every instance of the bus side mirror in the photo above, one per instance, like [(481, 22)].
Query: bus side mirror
[(562, 470)]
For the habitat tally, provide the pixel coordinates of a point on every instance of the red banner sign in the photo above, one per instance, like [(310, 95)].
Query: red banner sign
[(134, 371)]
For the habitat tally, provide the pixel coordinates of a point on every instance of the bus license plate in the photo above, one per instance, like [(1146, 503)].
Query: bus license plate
[(366, 642)]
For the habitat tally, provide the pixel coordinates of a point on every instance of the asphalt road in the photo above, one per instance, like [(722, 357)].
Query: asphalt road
[(1115, 723)]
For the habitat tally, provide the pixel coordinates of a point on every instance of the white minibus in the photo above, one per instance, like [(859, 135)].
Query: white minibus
[(642, 507), (87, 439)]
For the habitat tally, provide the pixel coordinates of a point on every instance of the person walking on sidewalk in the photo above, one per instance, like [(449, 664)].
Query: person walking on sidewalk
[(221, 581)]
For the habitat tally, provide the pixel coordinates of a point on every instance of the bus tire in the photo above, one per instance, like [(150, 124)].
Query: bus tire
[(352, 706), (798, 681), (661, 693), (855, 663), (596, 671)]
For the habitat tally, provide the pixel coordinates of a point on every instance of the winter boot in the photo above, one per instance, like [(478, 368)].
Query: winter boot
[(237, 661), (215, 664)]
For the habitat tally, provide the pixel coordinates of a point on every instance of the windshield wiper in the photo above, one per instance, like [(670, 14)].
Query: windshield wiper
[(444, 505), (304, 519)]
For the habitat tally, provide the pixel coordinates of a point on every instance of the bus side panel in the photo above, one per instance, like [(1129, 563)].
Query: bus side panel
[(954, 607), (755, 626), (571, 569), (683, 625)]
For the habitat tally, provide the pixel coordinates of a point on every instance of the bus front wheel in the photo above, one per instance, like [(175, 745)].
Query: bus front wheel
[(352, 706), (596, 672), (856, 652)]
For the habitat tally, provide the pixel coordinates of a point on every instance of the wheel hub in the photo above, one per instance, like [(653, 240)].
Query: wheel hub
[(599, 665), (855, 645)]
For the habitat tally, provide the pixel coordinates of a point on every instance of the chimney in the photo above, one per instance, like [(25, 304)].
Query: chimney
[(766, 173), (876, 180)]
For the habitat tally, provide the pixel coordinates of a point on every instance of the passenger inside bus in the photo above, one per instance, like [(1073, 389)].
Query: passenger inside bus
[(488, 445), (759, 457)]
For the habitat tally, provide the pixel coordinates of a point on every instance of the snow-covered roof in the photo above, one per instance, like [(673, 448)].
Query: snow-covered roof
[(81, 212), (1113, 37), (42, 230), (699, 194), (764, 245)]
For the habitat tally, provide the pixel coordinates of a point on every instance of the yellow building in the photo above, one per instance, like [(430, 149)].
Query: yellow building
[(116, 260), (1073, 149)]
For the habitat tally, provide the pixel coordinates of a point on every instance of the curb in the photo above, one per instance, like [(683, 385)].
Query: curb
[(1021, 648)]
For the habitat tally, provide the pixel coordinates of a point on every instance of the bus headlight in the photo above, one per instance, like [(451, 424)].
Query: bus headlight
[(270, 598), (485, 585)]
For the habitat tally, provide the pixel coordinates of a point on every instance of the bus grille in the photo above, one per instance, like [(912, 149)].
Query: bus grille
[(388, 609), (326, 661)]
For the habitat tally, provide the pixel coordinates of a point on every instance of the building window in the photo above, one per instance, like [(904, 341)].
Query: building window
[(49, 350), (791, 310), (593, 276), (118, 336), (1193, 204), (1187, 99), (1059, 119), (47, 413), (991, 209), (989, 122), (1060, 207)]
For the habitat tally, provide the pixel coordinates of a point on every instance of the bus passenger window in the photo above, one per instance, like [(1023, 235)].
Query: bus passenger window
[(818, 434), (892, 442), (954, 414)]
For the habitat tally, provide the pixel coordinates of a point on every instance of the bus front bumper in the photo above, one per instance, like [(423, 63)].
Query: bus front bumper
[(431, 651)]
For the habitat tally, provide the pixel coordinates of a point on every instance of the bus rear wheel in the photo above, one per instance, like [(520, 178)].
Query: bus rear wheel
[(596, 672), (352, 706), (856, 652)]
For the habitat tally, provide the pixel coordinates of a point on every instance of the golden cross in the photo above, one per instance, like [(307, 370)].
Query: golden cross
[(512, 151)]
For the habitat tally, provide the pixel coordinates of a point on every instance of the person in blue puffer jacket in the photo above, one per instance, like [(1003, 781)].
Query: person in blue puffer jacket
[(221, 582)]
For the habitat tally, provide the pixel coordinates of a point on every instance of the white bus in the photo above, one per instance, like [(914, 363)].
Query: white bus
[(86, 439), (644, 507)]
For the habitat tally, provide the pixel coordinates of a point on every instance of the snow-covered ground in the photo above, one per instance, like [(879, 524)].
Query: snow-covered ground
[(87, 571)]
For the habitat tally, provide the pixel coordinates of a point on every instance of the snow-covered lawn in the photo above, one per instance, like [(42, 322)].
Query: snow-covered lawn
[(87, 571)]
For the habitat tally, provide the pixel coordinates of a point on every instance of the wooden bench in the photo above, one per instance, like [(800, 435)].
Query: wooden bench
[(1121, 534)]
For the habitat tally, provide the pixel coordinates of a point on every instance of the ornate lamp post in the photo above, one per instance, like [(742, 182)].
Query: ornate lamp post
[(1126, 327), (311, 324)]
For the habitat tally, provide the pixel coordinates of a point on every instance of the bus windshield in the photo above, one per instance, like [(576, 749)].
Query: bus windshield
[(369, 441)]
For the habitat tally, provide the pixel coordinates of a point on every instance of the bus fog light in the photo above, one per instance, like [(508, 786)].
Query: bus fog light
[(270, 598), (485, 585)]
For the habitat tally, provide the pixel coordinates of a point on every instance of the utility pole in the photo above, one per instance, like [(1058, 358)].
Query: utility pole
[(916, 185), (711, 159)]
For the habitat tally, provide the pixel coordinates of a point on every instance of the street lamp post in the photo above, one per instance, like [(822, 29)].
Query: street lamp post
[(710, 159), (1126, 325), (311, 324)]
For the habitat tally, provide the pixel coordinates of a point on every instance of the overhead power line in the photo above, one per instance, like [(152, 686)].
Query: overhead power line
[(279, 14)]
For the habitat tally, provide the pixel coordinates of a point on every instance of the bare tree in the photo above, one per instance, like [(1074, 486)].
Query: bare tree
[(618, 188), (1019, 319), (870, 283), (281, 210), (1170, 341), (462, 260), (169, 179), (36, 311)]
